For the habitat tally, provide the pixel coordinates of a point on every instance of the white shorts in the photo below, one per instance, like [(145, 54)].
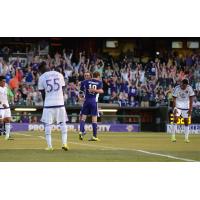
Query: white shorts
[(182, 112), (5, 113), (54, 115)]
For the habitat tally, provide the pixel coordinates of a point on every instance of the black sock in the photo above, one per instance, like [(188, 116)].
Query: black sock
[(1, 129), (4, 129)]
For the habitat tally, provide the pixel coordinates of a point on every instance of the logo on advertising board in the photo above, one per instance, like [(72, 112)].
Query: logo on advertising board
[(194, 129)]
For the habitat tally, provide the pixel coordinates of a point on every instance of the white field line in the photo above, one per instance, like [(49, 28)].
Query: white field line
[(137, 150), (23, 149), (23, 134), (125, 149)]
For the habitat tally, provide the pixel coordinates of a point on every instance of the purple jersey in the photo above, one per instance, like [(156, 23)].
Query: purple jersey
[(88, 84), (124, 87), (132, 91), (90, 106), (113, 86)]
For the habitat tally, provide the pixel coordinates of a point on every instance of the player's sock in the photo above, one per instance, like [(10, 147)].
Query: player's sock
[(48, 135), (63, 129), (174, 131), (1, 129), (94, 126), (186, 132), (82, 126), (7, 127)]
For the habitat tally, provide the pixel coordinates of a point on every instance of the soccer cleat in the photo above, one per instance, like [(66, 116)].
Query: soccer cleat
[(49, 149), (94, 139), (81, 135), (7, 138), (173, 140), (187, 141), (65, 147)]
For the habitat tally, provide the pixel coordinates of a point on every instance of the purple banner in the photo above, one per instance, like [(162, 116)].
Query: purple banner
[(76, 127)]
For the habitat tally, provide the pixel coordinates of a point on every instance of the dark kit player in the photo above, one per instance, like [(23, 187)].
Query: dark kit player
[(90, 89)]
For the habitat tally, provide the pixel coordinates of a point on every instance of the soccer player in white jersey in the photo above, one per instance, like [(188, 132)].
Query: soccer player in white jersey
[(51, 85), (5, 113), (182, 106)]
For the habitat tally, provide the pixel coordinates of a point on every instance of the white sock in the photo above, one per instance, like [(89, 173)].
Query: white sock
[(174, 131), (7, 127), (63, 129), (48, 135), (186, 132)]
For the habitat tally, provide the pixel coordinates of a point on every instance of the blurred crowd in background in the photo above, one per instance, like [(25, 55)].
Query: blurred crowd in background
[(125, 81)]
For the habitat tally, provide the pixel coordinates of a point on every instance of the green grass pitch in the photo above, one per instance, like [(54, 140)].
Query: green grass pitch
[(113, 147)]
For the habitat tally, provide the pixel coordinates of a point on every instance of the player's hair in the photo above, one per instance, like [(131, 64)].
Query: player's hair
[(2, 78), (96, 74), (87, 72), (42, 67), (185, 81)]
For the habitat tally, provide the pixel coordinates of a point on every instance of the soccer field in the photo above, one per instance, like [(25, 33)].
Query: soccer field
[(119, 147)]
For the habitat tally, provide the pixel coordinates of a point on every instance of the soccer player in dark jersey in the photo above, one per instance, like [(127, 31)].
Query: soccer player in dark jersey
[(87, 76), (91, 89)]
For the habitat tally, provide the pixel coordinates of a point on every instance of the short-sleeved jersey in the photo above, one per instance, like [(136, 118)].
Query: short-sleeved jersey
[(88, 84), (4, 96), (52, 82), (182, 96)]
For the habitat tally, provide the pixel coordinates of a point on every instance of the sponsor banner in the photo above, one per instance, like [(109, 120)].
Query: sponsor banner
[(194, 129), (19, 127), (76, 127)]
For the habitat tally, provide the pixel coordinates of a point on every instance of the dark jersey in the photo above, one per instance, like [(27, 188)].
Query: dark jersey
[(88, 84)]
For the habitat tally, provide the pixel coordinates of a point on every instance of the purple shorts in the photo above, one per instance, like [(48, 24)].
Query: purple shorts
[(89, 108)]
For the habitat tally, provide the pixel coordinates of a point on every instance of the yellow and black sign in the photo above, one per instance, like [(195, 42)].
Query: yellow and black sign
[(180, 120)]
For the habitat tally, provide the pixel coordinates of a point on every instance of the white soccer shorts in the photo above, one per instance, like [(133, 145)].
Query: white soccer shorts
[(182, 112), (54, 115), (5, 113)]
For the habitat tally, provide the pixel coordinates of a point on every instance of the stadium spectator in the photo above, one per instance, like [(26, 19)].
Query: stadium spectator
[(114, 98), (144, 99), (123, 79), (34, 120), (14, 84), (123, 99), (197, 86), (196, 103), (72, 94), (29, 77), (133, 102), (24, 118), (37, 98), (99, 67)]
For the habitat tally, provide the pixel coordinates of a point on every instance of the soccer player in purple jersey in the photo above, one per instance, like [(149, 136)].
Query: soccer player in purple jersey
[(91, 89), (87, 76)]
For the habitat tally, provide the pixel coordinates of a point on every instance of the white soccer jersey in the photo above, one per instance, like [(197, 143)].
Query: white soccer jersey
[(52, 82), (3, 96), (182, 96)]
